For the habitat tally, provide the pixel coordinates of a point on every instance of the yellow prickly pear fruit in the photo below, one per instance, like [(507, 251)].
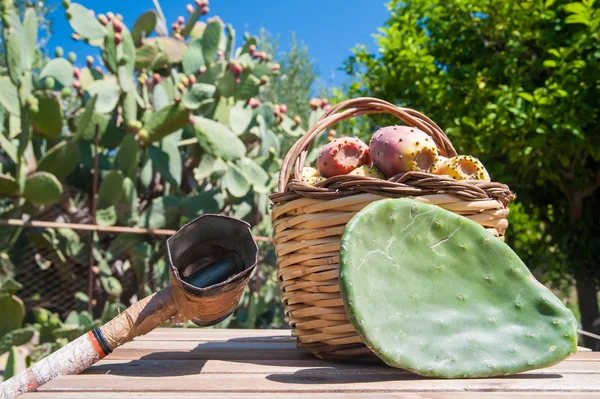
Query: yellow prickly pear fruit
[(309, 172), (367, 171), (463, 167)]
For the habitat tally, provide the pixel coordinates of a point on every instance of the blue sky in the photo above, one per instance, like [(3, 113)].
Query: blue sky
[(330, 28)]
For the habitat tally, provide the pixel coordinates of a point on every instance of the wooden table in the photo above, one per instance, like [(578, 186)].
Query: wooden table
[(211, 363)]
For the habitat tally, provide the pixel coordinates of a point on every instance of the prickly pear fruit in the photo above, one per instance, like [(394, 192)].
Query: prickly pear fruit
[(315, 103), (117, 25), (254, 103), (439, 161), (49, 82), (309, 172), (204, 10), (367, 171), (59, 52), (118, 38), (463, 167), (399, 149), (283, 108), (275, 67), (103, 19), (110, 15), (297, 120), (459, 303), (90, 61), (156, 78), (342, 156), (189, 8)]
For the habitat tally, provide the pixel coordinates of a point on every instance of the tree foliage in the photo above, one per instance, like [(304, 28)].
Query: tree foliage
[(517, 85)]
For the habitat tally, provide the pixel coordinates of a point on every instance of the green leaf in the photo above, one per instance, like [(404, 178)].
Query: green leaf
[(575, 8), (240, 117), (235, 182), (554, 52), (110, 189), (211, 40), (211, 201), (9, 284), (30, 35), (198, 95), (84, 24), (86, 118), (127, 206), (163, 211), (127, 158), (193, 58), (108, 95), (13, 56), (550, 64), (254, 173), (60, 160), (217, 140), (111, 285), (8, 186), (526, 96), (42, 188), (166, 121), (9, 96), (61, 70), (48, 118), (12, 313), (106, 216), (167, 160), (143, 26)]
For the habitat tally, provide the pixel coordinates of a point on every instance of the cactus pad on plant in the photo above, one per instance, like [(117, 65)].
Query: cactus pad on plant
[(42, 188), (435, 293)]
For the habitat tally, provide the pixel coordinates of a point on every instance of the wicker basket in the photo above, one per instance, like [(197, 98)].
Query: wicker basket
[(309, 221)]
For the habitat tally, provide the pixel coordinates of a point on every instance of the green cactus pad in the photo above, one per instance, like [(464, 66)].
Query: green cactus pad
[(84, 24), (433, 292), (60, 69), (12, 313), (9, 96), (48, 119), (240, 117), (42, 188), (8, 185), (127, 206), (108, 95), (128, 157), (193, 58), (15, 338), (159, 52), (110, 189), (163, 211), (60, 160), (166, 121), (211, 39), (167, 160), (29, 39), (217, 140), (198, 95), (143, 26), (13, 56)]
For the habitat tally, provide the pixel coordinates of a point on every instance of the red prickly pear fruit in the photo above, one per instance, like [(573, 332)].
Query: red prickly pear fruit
[(77, 84), (180, 20), (117, 26), (324, 102), (327, 107), (110, 15), (119, 17), (156, 79), (189, 8), (204, 10), (297, 120), (186, 81), (342, 156), (254, 103), (98, 68), (283, 108), (463, 167), (275, 67), (252, 49), (202, 69), (238, 81), (400, 149), (199, 3), (276, 110), (174, 26), (103, 19), (236, 68), (118, 39), (76, 73), (192, 79), (75, 36), (90, 61), (264, 80), (315, 103)]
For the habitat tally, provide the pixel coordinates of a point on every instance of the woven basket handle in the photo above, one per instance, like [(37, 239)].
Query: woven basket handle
[(350, 109)]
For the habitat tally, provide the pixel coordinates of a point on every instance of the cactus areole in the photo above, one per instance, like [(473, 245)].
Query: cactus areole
[(433, 292)]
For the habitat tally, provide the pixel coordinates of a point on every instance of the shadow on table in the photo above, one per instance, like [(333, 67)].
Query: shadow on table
[(261, 352)]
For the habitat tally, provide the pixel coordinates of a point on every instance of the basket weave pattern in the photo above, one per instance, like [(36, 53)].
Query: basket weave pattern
[(309, 221)]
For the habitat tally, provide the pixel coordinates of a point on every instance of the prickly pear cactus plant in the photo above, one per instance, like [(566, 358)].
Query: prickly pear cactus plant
[(433, 292)]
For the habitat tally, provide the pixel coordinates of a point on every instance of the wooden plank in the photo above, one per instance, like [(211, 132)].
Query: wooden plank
[(320, 382), (313, 395), (213, 334), (309, 366)]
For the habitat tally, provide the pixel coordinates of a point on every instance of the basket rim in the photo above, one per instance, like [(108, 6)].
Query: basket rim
[(348, 109)]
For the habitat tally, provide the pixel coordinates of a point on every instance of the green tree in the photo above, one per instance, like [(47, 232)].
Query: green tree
[(515, 84), (299, 75)]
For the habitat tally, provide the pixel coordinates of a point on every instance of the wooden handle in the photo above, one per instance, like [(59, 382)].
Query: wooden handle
[(351, 109)]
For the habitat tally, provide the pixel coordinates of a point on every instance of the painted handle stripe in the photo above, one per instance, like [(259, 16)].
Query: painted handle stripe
[(72, 358)]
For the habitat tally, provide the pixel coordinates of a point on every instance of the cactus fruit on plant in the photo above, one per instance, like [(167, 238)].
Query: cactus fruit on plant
[(59, 52), (459, 303), (342, 156), (463, 167), (400, 149), (367, 171)]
